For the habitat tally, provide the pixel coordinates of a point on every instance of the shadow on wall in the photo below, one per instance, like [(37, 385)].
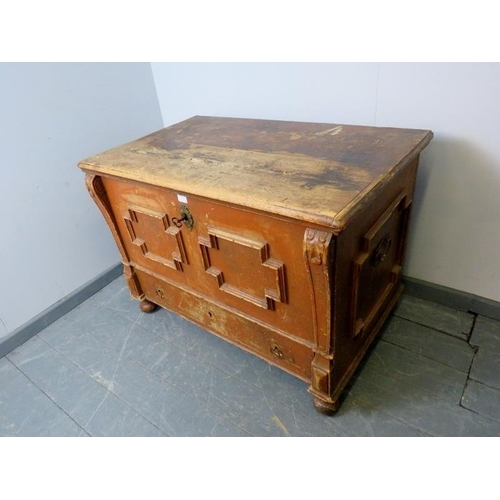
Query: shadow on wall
[(457, 205)]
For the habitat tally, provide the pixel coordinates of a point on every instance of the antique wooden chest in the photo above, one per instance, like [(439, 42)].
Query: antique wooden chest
[(284, 238)]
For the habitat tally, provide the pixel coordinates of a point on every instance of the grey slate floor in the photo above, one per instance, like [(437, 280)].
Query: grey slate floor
[(106, 369)]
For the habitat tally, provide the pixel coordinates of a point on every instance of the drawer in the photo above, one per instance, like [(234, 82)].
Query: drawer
[(249, 262), (274, 345)]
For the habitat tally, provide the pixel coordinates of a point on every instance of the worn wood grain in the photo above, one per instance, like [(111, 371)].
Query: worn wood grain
[(286, 168)]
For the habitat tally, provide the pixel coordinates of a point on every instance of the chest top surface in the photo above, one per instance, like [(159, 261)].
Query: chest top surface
[(314, 172)]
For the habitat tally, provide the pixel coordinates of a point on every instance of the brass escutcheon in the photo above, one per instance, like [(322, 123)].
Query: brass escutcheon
[(276, 351)]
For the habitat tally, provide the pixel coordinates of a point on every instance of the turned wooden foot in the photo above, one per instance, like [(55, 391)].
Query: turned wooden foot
[(147, 306), (325, 407)]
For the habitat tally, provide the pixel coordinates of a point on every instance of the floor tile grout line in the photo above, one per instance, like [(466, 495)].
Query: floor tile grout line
[(110, 392), (475, 350), (462, 396), (341, 433), (293, 409), (409, 350), (397, 419), (43, 392), (462, 337), (483, 383), (425, 356), (162, 380), (445, 401), (475, 315), (481, 415), (186, 352), (424, 389)]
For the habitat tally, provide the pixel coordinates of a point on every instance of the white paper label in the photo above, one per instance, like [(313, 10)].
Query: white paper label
[(182, 198)]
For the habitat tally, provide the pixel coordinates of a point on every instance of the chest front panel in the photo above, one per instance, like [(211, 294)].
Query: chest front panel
[(252, 263)]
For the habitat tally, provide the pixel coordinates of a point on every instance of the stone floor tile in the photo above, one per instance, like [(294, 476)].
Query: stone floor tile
[(444, 319), (486, 366), (420, 408), (428, 342), (85, 400), (172, 410), (115, 371), (113, 418), (416, 370), (486, 332), (483, 400), (26, 411)]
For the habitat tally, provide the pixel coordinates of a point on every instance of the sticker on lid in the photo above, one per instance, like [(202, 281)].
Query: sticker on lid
[(182, 198)]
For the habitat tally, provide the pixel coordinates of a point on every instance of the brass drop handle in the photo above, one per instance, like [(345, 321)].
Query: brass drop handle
[(186, 217)]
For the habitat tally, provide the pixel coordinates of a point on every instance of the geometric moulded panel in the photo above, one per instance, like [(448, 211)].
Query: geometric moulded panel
[(235, 251), (378, 266), (156, 238)]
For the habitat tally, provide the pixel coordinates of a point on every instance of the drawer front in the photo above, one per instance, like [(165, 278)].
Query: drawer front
[(250, 262), (275, 346)]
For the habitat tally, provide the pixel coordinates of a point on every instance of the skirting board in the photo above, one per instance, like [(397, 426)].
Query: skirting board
[(422, 289), (59, 309), (452, 298)]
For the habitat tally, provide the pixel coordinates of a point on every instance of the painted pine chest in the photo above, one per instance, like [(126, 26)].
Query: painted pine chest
[(284, 238)]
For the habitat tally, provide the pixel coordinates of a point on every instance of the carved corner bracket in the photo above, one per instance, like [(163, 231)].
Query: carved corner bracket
[(317, 248), (97, 190)]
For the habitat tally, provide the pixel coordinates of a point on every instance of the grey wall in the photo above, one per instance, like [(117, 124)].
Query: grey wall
[(52, 238), (455, 233)]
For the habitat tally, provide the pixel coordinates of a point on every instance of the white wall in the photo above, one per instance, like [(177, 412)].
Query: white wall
[(52, 238), (455, 233)]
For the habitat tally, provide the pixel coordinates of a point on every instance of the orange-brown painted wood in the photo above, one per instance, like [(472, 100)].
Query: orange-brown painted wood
[(285, 238)]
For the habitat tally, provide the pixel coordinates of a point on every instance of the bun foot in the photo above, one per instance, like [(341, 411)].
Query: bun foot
[(147, 306), (325, 407)]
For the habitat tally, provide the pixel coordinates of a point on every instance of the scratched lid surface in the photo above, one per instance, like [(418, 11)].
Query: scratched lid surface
[(307, 171)]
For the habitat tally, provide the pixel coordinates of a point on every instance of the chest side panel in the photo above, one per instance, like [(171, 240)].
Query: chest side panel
[(369, 269), (249, 262)]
